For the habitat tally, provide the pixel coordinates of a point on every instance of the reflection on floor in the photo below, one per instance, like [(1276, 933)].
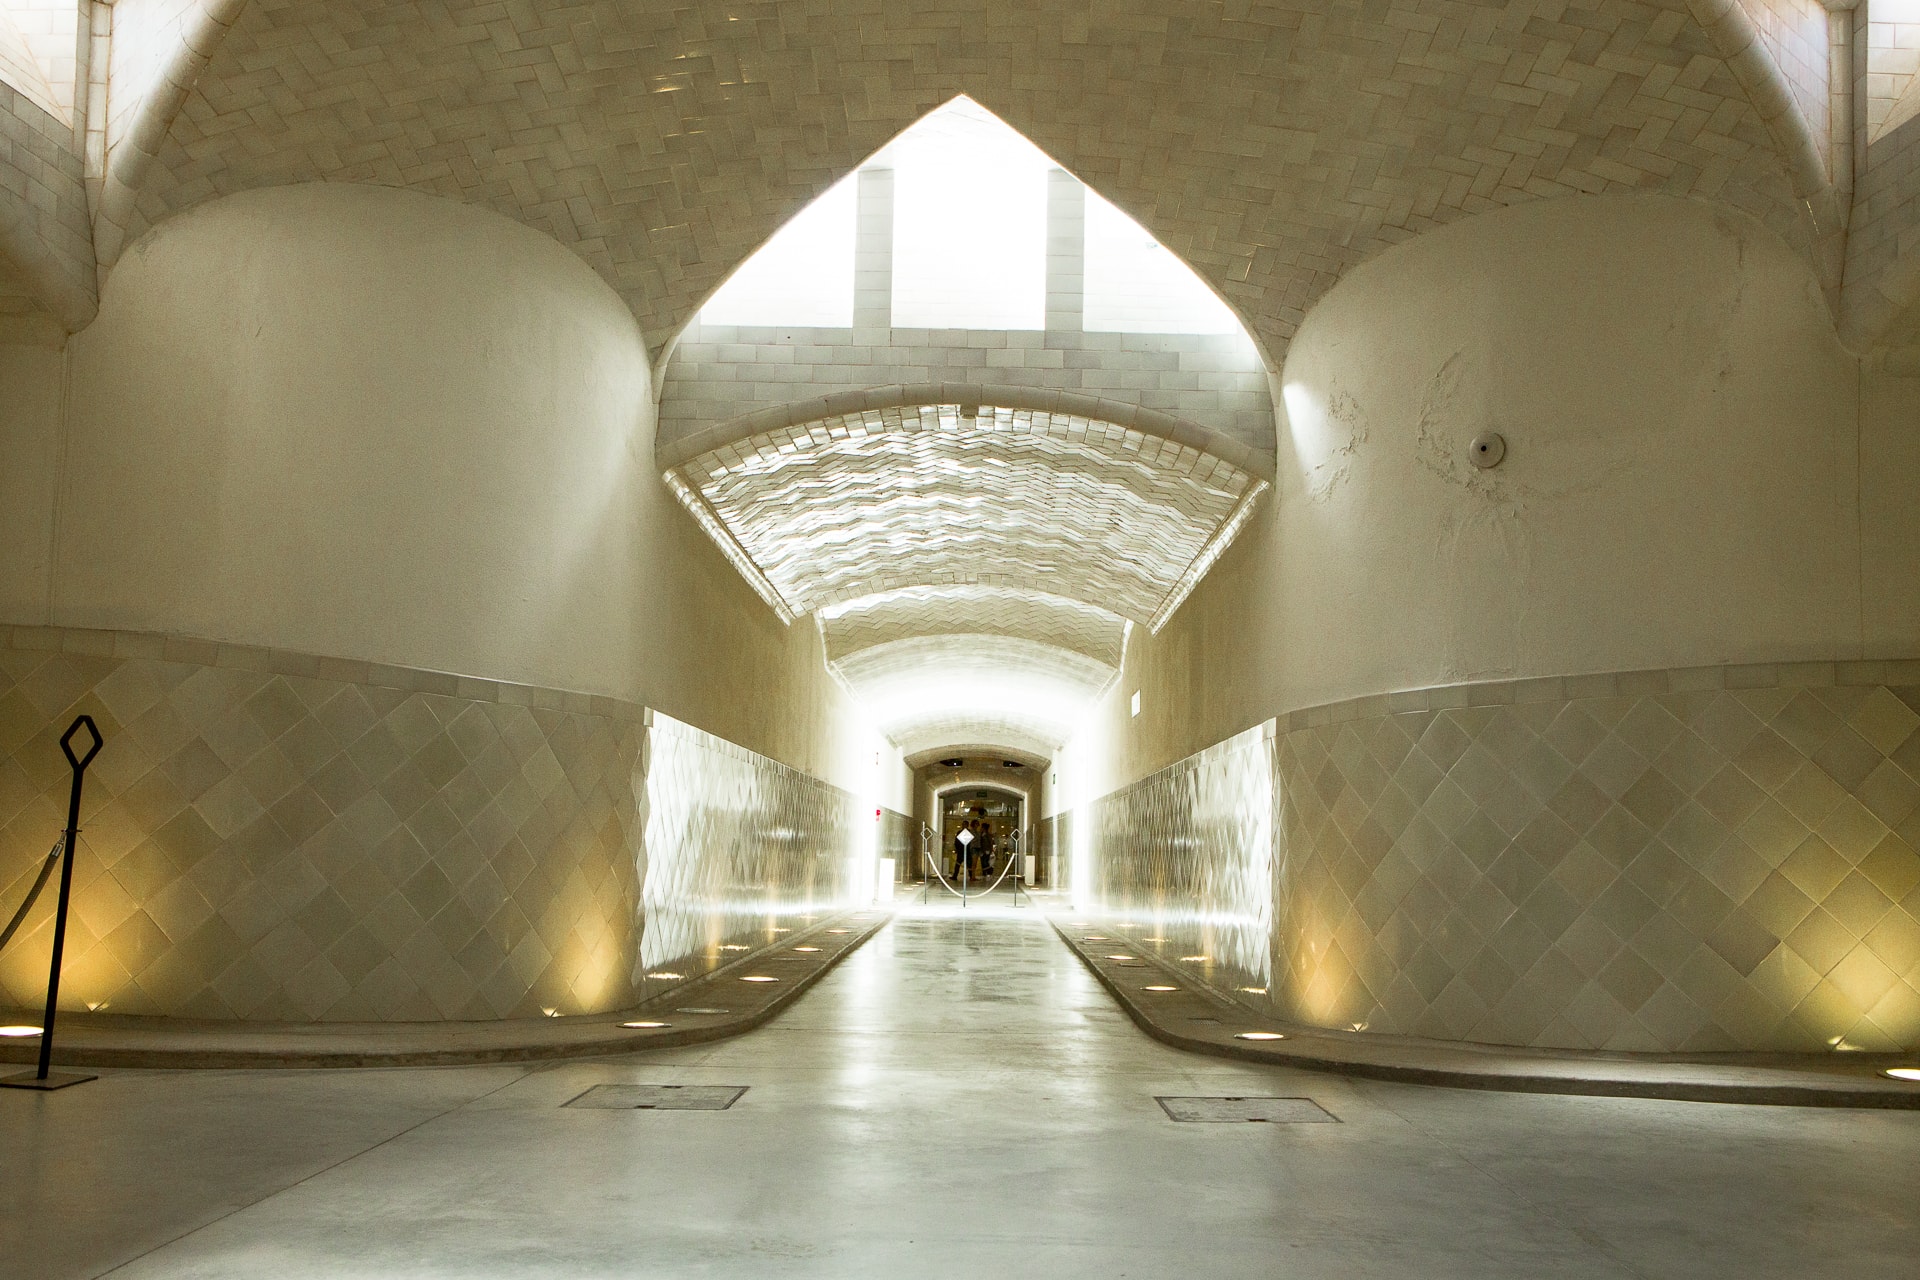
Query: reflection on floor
[(958, 1099)]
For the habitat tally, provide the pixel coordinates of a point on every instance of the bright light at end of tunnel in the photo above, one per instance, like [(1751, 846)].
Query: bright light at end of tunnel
[(1260, 1035), (1897, 1073), (17, 1032)]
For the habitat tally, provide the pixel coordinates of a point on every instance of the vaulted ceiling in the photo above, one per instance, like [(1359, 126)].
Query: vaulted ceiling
[(974, 571), (1270, 146)]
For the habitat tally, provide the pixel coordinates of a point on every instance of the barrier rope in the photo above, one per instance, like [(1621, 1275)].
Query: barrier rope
[(934, 863), (33, 894)]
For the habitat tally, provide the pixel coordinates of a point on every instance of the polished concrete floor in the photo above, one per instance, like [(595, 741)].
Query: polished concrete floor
[(958, 1099)]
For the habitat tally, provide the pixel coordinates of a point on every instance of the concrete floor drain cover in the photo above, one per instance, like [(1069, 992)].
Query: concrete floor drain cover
[(1246, 1111), (660, 1097)]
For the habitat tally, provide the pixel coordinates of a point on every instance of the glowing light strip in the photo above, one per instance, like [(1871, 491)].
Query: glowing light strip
[(736, 554), (1202, 563)]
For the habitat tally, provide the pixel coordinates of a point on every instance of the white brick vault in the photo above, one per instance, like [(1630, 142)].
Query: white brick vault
[(1272, 145), (1056, 504), (901, 614)]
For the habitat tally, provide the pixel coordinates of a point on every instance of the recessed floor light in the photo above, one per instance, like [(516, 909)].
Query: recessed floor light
[(1156, 939), (1254, 991), (1193, 959), (758, 977), (1898, 1073), (1259, 1035), (645, 1026), (19, 1031), (1094, 937), (839, 931), (806, 948), (1121, 957), (734, 946), (668, 977), (1159, 988)]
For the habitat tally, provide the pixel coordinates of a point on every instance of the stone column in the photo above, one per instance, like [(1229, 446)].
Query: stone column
[(873, 259), (1066, 252)]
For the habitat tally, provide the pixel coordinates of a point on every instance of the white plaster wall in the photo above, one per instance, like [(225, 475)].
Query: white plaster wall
[(30, 384), (360, 422), (1890, 512), (1684, 443)]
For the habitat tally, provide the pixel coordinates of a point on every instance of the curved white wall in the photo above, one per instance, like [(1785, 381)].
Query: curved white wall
[(360, 422), (349, 420), (1679, 422), (1681, 485)]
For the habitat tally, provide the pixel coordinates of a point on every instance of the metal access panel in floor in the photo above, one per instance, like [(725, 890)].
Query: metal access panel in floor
[(1246, 1111), (660, 1097)]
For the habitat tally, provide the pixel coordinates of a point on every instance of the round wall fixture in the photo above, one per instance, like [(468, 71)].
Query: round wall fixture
[(1487, 449)]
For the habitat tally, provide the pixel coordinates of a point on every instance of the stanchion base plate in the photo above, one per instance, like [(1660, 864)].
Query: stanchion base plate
[(54, 1080)]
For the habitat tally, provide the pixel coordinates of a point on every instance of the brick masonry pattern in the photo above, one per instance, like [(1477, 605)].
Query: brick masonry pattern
[(1270, 145), (847, 507), (720, 373)]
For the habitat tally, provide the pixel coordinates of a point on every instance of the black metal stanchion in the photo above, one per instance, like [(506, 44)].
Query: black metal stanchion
[(45, 1079)]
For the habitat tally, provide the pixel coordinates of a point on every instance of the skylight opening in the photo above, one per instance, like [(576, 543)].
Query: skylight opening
[(803, 276), (1134, 284), (969, 223), (40, 52), (969, 243)]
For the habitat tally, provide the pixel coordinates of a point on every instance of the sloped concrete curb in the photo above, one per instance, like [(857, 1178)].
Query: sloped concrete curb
[(1194, 1018), (92, 1040)]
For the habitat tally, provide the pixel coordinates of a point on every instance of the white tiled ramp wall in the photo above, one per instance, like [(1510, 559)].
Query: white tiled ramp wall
[(1187, 855), (1711, 859), (731, 840), (278, 837), (283, 838)]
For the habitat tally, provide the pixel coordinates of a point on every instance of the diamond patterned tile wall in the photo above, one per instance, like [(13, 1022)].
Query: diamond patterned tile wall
[(279, 837), (1699, 860)]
